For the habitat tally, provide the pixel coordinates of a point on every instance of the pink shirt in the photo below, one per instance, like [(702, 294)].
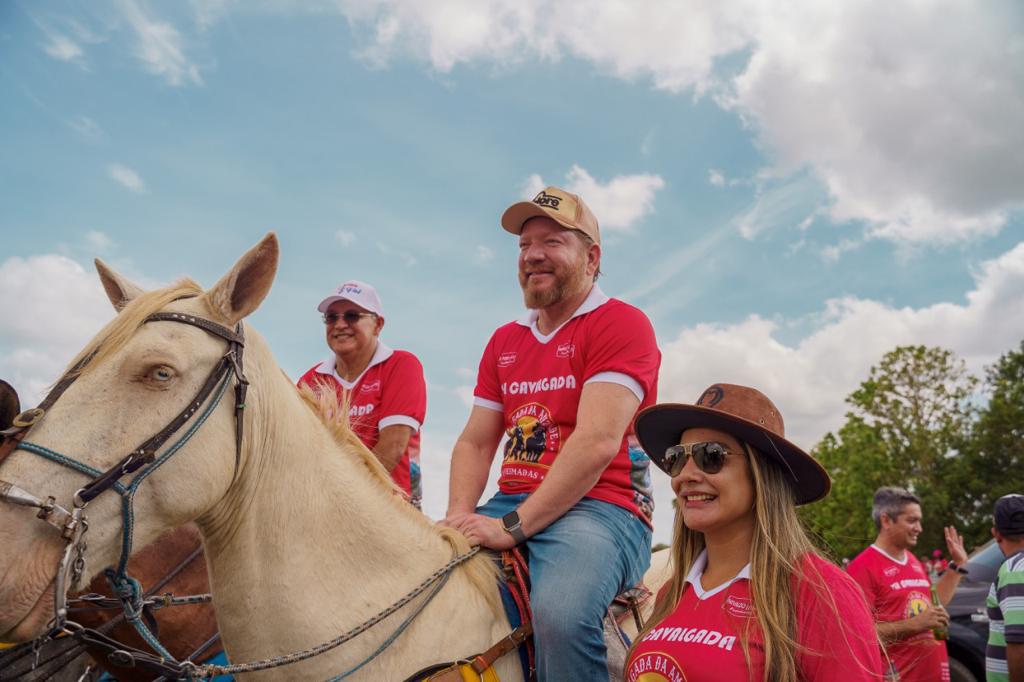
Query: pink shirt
[(391, 390), (700, 641), (898, 590), (536, 380)]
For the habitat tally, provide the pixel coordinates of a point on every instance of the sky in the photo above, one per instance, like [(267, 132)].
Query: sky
[(787, 189)]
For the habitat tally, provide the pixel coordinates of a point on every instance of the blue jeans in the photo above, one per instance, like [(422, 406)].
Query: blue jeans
[(577, 566)]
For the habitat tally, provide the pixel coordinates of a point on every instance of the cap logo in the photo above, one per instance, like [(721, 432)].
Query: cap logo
[(711, 397), (349, 289), (549, 200)]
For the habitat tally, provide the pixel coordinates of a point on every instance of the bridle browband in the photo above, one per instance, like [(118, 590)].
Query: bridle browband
[(142, 459)]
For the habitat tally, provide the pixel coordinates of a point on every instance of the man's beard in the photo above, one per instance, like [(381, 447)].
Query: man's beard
[(568, 282)]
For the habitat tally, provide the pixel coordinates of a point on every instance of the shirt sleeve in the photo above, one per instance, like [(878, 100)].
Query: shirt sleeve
[(1010, 595), (488, 386), (862, 577), (404, 393), (622, 342), (835, 628)]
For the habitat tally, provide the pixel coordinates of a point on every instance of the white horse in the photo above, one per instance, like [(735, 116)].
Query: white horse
[(306, 540)]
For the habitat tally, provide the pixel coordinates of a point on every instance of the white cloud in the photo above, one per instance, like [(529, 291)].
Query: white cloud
[(777, 204), (159, 46), (35, 348), (62, 48), (483, 255), (98, 241), (907, 112), (87, 128), (404, 256), (716, 178), (618, 204), (832, 252), (127, 177), (810, 379), (345, 237)]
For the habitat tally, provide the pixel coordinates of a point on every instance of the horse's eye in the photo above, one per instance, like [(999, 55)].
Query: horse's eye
[(162, 374)]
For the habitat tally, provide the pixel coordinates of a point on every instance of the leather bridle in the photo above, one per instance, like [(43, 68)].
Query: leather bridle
[(141, 461)]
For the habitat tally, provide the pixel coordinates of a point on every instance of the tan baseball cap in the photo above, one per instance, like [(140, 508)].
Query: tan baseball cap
[(565, 208)]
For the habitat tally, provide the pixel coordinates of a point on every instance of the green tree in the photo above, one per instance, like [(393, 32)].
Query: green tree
[(995, 458), (909, 422)]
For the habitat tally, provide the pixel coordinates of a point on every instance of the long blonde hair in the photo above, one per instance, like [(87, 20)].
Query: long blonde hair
[(779, 546)]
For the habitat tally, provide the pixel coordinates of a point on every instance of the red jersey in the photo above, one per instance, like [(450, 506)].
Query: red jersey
[(536, 380), (897, 591), (702, 639), (391, 390)]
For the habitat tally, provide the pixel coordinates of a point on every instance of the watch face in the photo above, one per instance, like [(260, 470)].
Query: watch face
[(510, 520)]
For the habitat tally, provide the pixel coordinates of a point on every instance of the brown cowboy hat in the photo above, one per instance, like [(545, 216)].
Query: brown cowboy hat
[(9, 404), (743, 412)]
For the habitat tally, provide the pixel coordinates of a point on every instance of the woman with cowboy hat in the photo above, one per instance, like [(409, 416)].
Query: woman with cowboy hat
[(749, 597)]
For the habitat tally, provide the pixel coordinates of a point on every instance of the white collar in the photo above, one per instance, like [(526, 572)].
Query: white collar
[(891, 557), (595, 299), (697, 572), (380, 354)]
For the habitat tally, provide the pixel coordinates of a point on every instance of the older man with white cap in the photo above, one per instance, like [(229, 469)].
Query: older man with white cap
[(385, 389), (564, 383)]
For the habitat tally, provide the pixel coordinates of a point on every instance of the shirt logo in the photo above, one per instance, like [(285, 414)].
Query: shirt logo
[(506, 359), (917, 603), (891, 571), (739, 606), (566, 350), (360, 410), (549, 200), (372, 386), (530, 434)]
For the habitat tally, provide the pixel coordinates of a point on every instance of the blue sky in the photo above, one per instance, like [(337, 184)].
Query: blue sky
[(788, 189)]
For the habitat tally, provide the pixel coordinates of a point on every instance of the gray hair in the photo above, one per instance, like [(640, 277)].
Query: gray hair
[(890, 500)]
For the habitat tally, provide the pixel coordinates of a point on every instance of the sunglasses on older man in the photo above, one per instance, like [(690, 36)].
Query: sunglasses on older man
[(349, 316), (709, 457)]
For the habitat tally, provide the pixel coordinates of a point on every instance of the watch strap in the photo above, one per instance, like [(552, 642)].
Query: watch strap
[(513, 526), (959, 569)]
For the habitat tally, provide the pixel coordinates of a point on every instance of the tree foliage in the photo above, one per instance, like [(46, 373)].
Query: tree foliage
[(909, 425), (995, 458)]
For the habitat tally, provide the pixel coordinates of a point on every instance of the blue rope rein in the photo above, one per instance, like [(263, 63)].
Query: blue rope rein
[(129, 590)]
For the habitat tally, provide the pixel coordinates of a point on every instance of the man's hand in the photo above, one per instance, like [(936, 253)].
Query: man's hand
[(955, 545), (481, 530), (933, 617)]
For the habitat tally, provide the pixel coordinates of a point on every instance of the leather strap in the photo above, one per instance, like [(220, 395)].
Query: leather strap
[(485, 660)]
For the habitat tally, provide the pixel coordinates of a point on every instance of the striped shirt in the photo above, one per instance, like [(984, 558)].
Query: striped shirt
[(1005, 616)]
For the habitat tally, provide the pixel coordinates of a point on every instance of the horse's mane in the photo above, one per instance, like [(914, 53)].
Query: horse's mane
[(119, 331), (333, 412)]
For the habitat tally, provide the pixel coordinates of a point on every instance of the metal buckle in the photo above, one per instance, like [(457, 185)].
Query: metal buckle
[(28, 417)]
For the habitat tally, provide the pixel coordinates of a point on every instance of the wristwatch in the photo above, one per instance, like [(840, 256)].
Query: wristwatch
[(959, 569), (510, 522)]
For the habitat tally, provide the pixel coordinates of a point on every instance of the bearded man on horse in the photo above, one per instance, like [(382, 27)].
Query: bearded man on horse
[(576, 369)]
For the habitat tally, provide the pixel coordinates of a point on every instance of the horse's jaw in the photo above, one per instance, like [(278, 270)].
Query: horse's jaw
[(26, 592)]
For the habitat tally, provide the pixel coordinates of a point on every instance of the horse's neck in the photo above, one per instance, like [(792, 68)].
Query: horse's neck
[(310, 530)]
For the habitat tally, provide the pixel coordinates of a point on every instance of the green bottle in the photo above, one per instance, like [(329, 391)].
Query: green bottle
[(940, 633)]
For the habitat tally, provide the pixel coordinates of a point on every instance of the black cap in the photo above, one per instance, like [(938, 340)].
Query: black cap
[(1009, 514)]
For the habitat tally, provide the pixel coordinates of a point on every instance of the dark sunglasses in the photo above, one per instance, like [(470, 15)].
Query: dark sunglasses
[(709, 457), (350, 317)]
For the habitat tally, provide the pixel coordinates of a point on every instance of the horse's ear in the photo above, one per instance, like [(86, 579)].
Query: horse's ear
[(243, 288), (119, 290)]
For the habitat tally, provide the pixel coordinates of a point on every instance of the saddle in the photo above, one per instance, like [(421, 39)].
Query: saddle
[(515, 595)]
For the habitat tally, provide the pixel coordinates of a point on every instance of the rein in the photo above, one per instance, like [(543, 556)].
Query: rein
[(73, 525)]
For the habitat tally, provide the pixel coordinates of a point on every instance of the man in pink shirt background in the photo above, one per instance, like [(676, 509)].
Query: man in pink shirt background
[(384, 388)]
